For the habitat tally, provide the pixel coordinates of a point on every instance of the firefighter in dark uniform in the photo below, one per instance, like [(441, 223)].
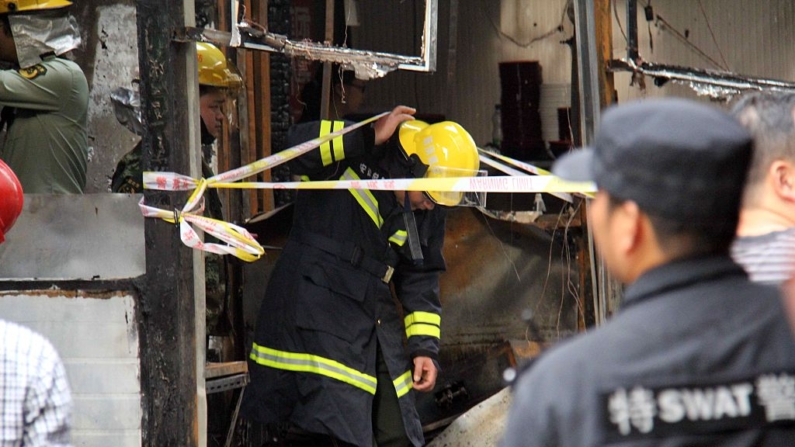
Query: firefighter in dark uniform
[(698, 355), (330, 352)]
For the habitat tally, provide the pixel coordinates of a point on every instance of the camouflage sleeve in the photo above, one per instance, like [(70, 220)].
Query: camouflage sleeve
[(128, 176)]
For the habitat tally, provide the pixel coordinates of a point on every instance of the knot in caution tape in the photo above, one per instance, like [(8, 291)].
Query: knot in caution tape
[(239, 242), (242, 244)]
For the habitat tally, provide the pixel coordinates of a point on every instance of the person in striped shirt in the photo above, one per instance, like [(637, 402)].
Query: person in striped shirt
[(765, 244)]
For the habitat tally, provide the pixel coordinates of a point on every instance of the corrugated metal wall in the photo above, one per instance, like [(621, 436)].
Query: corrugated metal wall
[(488, 32), (756, 38), (749, 38), (401, 34)]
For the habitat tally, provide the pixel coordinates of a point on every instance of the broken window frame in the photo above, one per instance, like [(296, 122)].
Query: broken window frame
[(366, 63)]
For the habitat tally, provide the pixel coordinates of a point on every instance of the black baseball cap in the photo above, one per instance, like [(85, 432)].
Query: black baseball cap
[(675, 158)]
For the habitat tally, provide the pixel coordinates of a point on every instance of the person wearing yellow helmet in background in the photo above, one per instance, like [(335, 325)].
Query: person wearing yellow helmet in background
[(44, 97), (333, 359), (218, 80)]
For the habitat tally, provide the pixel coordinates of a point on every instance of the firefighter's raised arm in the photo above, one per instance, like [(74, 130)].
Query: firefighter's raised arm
[(386, 126)]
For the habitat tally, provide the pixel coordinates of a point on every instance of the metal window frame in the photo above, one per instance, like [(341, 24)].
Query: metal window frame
[(367, 64)]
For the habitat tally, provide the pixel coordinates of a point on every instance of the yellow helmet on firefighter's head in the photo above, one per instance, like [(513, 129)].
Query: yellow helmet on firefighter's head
[(446, 148), (214, 70), (12, 6)]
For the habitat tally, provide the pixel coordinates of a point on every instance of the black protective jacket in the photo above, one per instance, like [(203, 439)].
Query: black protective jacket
[(697, 356), (328, 303)]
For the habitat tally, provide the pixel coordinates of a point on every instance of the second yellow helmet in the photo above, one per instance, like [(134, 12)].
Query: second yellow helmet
[(214, 69)]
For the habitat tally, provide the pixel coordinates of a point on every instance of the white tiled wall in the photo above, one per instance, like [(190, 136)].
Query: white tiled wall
[(97, 339)]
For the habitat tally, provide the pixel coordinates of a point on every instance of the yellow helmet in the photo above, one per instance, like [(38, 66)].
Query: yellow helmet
[(10, 6), (447, 149), (214, 70)]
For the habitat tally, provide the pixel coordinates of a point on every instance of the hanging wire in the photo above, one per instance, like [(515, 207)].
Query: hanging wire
[(570, 285), (550, 33), (648, 24), (488, 215), (615, 12), (567, 285), (344, 96), (712, 33), (566, 282), (689, 44), (549, 264)]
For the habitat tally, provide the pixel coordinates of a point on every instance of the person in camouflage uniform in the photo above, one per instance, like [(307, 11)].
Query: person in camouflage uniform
[(217, 78)]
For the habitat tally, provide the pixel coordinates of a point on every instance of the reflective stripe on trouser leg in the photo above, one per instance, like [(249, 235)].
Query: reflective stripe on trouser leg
[(388, 427), (403, 384)]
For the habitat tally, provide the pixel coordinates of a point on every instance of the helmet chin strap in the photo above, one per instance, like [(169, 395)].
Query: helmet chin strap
[(206, 136), (418, 168), (413, 236)]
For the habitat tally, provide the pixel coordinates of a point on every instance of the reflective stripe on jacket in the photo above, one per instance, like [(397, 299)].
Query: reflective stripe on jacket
[(324, 314)]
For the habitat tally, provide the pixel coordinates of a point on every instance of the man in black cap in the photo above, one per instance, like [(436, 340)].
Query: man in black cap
[(698, 354)]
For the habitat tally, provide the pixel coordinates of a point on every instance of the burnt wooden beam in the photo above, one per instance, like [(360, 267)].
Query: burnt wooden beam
[(167, 307), (262, 68)]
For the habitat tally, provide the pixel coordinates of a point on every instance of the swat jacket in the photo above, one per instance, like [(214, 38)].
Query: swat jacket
[(328, 303), (697, 356)]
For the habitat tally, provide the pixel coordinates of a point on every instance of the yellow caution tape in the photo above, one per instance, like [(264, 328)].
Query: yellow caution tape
[(533, 170), (241, 243), (178, 182), (547, 184), (513, 172), (526, 166)]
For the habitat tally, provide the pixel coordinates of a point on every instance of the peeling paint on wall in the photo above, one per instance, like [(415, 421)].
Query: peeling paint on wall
[(115, 63)]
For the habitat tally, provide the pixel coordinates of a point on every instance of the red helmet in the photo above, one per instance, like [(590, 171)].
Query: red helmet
[(11, 199)]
